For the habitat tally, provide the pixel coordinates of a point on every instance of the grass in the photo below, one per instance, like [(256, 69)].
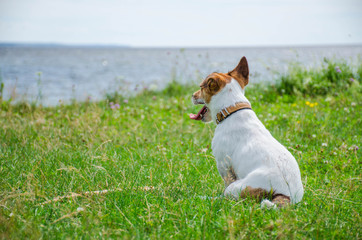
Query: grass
[(159, 167)]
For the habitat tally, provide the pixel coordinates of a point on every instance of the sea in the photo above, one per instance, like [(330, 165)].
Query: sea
[(51, 75)]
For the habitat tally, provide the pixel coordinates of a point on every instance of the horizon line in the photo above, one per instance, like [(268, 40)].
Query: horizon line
[(56, 44)]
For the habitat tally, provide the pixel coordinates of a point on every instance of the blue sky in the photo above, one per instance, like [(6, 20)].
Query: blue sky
[(182, 23)]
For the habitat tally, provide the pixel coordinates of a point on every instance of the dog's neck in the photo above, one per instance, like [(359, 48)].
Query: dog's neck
[(231, 94)]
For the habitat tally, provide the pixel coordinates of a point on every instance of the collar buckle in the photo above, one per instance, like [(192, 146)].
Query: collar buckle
[(221, 116)]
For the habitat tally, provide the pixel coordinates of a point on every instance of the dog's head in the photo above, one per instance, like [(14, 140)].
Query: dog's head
[(214, 84)]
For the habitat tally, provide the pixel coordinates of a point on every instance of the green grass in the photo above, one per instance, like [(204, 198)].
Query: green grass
[(160, 164)]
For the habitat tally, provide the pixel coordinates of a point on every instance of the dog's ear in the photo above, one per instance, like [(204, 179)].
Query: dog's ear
[(241, 72)]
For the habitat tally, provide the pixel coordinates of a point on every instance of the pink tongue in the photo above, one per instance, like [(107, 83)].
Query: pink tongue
[(198, 115)]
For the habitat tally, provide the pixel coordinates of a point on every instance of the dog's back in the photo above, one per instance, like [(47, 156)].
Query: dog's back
[(257, 158)]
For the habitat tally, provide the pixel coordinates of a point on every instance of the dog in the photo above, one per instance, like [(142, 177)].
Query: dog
[(252, 163)]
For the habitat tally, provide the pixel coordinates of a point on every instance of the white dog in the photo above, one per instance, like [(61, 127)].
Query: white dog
[(249, 159)]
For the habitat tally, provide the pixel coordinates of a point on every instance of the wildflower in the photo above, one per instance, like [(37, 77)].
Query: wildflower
[(80, 209), (153, 87), (147, 188), (154, 98), (125, 101), (114, 106), (353, 104), (294, 104), (314, 136), (324, 144), (311, 104), (351, 79), (353, 148), (338, 70)]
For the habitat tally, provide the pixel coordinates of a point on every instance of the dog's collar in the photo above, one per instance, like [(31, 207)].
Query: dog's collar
[(226, 112)]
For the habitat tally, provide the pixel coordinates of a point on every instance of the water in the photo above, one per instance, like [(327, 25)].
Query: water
[(64, 73)]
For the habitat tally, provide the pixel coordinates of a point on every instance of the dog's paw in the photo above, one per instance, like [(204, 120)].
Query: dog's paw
[(232, 193), (266, 204)]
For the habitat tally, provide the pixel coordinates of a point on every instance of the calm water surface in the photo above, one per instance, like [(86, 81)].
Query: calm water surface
[(64, 73)]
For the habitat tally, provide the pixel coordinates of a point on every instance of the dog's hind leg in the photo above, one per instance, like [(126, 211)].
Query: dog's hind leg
[(238, 190), (255, 193)]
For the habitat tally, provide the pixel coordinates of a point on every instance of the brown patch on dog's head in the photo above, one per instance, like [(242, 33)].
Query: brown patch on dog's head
[(241, 73), (212, 85), (217, 81)]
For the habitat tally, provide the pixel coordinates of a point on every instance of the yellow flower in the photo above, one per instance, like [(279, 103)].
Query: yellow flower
[(298, 121), (294, 104), (311, 104)]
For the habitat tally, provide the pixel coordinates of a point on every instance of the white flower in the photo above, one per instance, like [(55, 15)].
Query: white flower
[(153, 87), (324, 144), (80, 209), (314, 136)]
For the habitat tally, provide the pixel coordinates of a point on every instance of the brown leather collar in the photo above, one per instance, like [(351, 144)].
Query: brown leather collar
[(226, 112)]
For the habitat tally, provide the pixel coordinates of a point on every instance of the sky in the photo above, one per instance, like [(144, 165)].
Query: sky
[(186, 23)]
